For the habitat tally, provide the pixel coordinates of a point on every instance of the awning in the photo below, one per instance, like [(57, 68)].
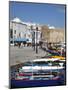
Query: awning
[(19, 39)]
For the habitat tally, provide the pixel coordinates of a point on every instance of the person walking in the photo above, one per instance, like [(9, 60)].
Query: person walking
[(19, 44)]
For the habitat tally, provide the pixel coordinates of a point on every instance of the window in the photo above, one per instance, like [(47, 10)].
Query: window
[(14, 31), (19, 35), (29, 36), (11, 33), (24, 35)]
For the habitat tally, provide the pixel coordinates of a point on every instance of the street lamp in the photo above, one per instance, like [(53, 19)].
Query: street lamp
[(33, 38), (13, 31), (36, 40)]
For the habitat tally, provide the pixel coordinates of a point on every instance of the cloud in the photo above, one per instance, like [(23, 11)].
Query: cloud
[(51, 27)]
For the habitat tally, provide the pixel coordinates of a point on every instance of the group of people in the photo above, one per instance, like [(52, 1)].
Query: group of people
[(19, 44)]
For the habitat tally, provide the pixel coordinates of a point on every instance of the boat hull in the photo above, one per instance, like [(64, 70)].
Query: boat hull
[(35, 83)]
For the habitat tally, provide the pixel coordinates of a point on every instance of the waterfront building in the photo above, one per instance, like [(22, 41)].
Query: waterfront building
[(23, 31), (54, 35)]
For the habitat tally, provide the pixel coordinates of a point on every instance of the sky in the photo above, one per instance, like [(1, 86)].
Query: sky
[(42, 13)]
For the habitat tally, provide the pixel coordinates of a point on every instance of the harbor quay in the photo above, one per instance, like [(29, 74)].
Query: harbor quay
[(23, 54)]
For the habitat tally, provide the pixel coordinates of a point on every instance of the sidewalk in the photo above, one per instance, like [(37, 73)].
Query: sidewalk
[(18, 55)]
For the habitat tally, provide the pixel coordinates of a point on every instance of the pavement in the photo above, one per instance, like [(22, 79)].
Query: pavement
[(18, 55)]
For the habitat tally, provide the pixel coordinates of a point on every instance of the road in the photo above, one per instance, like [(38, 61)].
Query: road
[(22, 54)]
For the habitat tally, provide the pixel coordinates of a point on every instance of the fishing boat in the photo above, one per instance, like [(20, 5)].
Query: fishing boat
[(59, 57), (40, 69), (44, 72)]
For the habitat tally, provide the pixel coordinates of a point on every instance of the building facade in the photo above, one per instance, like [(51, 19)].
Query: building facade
[(57, 35), (22, 31), (17, 30), (52, 35)]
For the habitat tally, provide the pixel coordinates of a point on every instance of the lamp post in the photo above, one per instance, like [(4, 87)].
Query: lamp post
[(36, 40), (13, 31), (33, 38)]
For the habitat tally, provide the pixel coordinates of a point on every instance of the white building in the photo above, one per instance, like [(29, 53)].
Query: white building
[(23, 30)]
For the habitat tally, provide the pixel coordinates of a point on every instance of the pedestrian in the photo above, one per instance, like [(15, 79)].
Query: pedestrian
[(24, 43), (19, 44)]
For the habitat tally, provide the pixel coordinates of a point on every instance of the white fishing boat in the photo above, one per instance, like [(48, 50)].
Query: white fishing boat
[(41, 69), (36, 68), (40, 64), (46, 59)]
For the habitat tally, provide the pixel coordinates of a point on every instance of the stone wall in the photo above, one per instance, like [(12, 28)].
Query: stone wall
[(52, 35)]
